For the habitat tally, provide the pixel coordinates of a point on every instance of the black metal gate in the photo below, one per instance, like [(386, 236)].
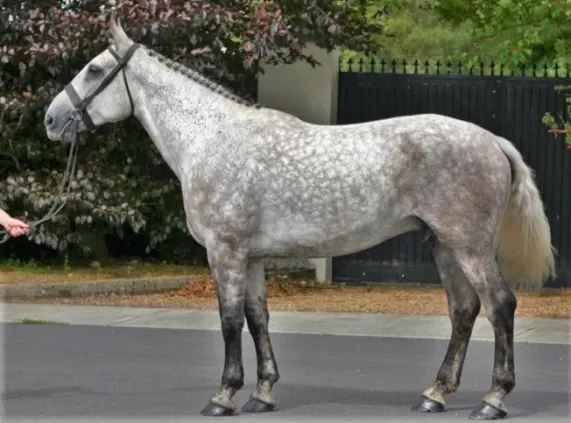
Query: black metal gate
[(510, 106)]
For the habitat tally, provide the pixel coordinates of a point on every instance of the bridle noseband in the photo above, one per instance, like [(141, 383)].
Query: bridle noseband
[(80, 112)]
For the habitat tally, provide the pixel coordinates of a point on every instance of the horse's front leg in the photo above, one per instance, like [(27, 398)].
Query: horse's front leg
[(228, 262), (257, 317)]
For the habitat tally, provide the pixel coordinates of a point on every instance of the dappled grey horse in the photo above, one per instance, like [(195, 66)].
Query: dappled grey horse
[(260, 183)]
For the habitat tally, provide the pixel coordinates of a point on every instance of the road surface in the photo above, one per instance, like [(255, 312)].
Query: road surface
[(115, 373)]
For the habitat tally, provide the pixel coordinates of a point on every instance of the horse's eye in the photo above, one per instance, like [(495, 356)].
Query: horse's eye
[(94, 69)]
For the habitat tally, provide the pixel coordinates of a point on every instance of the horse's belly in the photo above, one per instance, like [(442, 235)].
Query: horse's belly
[(281, 239)]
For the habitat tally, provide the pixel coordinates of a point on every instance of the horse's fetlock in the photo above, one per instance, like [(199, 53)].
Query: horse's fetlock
[(275, 377), (451, 387), (505, 381), (237, 384), (234, 381), (271, 376), (445, 384)]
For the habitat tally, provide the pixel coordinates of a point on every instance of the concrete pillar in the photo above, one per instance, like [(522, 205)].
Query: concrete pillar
[(309, 93)]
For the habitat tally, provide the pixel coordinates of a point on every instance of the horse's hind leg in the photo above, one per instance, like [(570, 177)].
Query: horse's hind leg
[(500, 304), (463, 308), (257, 317)]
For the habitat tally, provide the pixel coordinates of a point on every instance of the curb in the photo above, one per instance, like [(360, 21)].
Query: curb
[(527, 330), (78, 289)]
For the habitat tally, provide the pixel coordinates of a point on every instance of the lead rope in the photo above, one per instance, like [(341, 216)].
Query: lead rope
[(67, 179)]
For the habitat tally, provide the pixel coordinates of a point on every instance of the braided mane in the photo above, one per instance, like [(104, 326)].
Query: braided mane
[(198, 78)]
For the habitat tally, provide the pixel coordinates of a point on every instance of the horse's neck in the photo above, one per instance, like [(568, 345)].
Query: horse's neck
[(178, 114)]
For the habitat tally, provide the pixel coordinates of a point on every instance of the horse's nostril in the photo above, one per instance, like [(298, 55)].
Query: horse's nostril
[(49, 120)]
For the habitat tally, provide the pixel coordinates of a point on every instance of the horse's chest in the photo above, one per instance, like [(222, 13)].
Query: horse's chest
[(195, 211), (196, 229), (211, 212)]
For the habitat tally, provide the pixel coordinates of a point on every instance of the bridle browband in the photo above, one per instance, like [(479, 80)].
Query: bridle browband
[(80, 112)]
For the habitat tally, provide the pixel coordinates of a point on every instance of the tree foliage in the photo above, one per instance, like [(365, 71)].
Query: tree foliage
[(521, 32), (122, 182), (413, 30), (560, 125), (515, 31)]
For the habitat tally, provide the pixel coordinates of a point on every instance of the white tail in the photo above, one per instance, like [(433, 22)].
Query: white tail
[(525, 254)]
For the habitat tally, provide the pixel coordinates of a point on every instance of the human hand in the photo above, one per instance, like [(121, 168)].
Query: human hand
[(16, 227)]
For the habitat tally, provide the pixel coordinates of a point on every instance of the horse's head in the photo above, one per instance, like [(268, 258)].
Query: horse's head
[(97, 95)]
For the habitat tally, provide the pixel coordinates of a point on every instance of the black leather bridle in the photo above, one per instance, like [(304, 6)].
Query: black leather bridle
[(80, 112)]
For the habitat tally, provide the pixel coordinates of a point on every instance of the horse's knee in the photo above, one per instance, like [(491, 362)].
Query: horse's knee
[(463, 313)]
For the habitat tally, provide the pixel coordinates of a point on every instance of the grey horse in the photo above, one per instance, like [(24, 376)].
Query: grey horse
[(258, 183)]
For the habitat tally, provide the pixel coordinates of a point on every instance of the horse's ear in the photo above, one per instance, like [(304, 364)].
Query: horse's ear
[(117, 33)]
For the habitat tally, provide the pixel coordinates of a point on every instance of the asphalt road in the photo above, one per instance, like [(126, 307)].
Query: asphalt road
[(108, 373)]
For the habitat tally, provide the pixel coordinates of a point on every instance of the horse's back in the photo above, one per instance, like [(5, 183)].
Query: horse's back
[(347, 187), (360, 159)]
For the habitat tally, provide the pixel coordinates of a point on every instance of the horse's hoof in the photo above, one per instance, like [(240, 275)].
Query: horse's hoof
[(257, 406), (215, 410), (426, 405), (487, 411)]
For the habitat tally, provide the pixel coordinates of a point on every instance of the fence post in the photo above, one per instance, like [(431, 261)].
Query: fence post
[(309, 93)]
